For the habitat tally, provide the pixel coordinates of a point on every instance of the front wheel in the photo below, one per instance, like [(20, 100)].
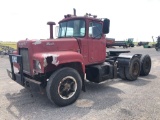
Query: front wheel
[(64, 86)]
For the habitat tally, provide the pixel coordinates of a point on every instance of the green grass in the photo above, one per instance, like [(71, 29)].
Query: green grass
[(151, 43), (10, 44)]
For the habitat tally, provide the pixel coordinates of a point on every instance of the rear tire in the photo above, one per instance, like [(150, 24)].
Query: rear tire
[(132, 72), (145, 65), (64, 86)]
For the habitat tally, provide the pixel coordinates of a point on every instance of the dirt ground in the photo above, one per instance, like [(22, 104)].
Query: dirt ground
[(112, 100)]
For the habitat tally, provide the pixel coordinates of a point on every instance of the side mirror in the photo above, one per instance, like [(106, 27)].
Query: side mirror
[(106, 25), (56, 31)]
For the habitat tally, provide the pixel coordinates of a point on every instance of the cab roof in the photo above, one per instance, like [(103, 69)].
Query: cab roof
[(71, 17)]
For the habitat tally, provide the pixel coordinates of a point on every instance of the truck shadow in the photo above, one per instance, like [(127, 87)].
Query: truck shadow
[(150, 76), (97, 96), (142, 80), (104, 95), (100, 96), (27, 104)]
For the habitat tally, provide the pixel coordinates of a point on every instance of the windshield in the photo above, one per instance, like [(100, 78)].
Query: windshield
[(72, 28)]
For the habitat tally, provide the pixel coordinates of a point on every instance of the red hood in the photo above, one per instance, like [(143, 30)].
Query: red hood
[(61, 44), (63, 50)]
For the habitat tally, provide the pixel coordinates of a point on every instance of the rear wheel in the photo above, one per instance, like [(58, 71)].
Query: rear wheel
[(132, 72), (145, 65), (64, 86)]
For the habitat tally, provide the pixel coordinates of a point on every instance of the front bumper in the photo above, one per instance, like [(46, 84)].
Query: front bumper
[(19, 77)]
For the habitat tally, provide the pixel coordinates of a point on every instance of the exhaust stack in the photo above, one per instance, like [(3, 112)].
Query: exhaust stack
[(51, 28), (74, 11)]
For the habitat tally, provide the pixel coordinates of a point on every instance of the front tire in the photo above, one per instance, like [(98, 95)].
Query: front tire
[(64, 86)]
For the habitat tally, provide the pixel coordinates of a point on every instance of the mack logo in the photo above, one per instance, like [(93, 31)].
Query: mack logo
[(49, 43)]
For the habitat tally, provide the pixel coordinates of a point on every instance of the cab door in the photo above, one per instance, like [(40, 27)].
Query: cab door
[(97, 44)]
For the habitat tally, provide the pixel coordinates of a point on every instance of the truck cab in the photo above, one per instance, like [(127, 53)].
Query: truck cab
[(60, 66), (87, 32)]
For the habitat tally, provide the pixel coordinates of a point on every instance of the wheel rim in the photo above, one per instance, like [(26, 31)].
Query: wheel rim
[(135, 68), (67, 87)]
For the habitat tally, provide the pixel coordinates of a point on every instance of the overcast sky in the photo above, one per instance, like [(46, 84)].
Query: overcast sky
[(22, 19)]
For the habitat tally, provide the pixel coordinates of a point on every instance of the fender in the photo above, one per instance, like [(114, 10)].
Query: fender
[(125, 58), (59, 58)]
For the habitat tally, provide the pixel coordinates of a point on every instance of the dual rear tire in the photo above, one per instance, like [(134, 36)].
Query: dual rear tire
[(137, 67)]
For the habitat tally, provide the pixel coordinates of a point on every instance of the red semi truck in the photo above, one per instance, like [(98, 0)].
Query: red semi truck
[(60, 66)]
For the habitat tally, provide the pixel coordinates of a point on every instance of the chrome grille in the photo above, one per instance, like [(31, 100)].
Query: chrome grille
[(25, 58)]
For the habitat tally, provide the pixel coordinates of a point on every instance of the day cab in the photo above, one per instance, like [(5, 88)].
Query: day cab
[(61, 66)]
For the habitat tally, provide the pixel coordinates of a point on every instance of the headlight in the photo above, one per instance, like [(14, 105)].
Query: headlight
[(37, 65)]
